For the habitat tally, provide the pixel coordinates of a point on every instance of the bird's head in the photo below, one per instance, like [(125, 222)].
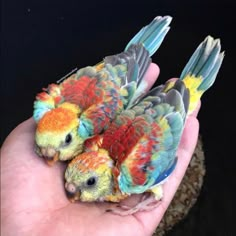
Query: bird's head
[(89, 177), (57, 134)]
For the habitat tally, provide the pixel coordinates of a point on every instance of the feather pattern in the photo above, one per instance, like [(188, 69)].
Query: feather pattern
[(141, 143), (142, 140), (104, 90)]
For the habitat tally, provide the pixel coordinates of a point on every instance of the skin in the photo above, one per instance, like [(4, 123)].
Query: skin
[(33, 200)]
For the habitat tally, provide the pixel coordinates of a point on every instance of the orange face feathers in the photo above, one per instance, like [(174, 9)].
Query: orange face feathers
[(59, 119), (91, 160)]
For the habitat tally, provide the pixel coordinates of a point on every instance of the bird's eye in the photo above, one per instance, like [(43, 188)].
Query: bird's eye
[(68, 139), (91, 181)]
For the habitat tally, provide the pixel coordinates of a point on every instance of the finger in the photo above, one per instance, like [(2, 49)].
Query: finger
[(195, 112), (18, 149), (188, 142), (151, 75), (23, 133)]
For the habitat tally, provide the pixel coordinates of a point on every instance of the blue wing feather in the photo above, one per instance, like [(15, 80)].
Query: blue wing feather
[(163, 175), (154, 156)]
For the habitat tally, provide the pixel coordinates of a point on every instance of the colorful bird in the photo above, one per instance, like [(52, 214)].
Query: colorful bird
[(84, 104), (137, 153)]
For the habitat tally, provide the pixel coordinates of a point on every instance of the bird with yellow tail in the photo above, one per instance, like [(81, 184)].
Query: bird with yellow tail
[(137, 153)]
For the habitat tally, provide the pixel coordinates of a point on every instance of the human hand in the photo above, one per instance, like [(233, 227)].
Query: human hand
[(33, 200)]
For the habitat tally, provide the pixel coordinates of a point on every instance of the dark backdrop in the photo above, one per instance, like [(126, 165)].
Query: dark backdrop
[(44, 40)]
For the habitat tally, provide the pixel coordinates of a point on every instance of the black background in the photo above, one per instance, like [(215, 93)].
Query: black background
[(43, 40)]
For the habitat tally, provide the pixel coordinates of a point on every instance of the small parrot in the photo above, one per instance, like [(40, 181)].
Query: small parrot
[(86, 102), (137, 153)]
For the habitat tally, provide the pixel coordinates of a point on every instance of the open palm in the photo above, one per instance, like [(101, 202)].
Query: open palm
[(33, 201)]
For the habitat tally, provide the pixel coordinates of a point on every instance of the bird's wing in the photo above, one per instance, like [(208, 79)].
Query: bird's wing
[(144, 144)]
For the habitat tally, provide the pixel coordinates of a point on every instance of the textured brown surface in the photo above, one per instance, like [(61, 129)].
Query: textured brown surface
[(187, 193)]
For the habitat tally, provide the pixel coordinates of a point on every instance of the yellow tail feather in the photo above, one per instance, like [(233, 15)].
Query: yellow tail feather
[(192, 83)]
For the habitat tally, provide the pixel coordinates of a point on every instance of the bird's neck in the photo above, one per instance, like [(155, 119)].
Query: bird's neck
[(70, 106)]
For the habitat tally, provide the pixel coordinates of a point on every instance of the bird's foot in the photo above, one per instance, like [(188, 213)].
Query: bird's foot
[(147, 202)]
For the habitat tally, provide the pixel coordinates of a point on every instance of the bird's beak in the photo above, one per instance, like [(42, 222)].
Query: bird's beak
[(50, 155), (51, 161), (72, 196)]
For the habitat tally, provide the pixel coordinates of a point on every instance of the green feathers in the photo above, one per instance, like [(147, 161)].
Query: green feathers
[(152, 35)]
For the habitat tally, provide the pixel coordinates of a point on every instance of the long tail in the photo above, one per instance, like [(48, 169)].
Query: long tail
[(201, 70), (152, 35), (136, 59)]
